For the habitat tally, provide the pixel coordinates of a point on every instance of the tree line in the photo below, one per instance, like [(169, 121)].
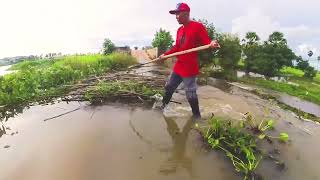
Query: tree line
[(264, 57)]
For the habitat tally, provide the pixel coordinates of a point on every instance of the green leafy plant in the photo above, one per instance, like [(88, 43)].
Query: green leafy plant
[(283, 137), (238, 141), (238, 145)]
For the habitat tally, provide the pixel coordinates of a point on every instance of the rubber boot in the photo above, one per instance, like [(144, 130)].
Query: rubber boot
[(166, 99), (194, 104)]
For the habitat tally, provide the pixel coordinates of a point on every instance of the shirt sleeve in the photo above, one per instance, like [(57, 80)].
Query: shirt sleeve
[(172, 50), (203, 35)]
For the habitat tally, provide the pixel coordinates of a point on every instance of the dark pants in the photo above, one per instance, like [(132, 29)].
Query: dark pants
[(190, 88)]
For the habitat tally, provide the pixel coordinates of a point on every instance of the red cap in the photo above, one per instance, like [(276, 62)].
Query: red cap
[(180, 7)]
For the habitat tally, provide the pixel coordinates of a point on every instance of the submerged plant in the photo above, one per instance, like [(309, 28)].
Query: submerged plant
[(283, 137), (238, 145), (261, 129), (238, 141)]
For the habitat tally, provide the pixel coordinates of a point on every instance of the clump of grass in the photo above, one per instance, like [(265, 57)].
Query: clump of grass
[(260, 129), (292, 71), (238, 145), (239, 141), (317, 78), (24, 65)]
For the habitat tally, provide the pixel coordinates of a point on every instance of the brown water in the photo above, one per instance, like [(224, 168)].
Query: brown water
[(122, 142), (106, 142)]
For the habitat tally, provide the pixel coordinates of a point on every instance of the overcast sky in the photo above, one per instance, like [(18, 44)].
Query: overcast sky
[(70, 26)]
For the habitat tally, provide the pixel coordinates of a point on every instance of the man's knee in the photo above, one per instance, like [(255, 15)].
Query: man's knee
[(191, 95), (169, 88)]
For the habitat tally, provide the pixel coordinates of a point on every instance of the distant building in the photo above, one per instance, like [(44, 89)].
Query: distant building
[(123, 49), (147, 47)]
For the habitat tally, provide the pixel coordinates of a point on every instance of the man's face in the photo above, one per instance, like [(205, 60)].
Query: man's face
[(182, 17)]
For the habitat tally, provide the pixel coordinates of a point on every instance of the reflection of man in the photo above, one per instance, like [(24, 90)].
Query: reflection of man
[(190, 35), (179, 147)]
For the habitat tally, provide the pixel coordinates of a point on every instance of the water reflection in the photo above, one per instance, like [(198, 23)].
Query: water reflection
[(178, 155)]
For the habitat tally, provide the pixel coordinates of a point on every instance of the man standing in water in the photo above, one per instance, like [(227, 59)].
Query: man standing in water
[(190, 35)]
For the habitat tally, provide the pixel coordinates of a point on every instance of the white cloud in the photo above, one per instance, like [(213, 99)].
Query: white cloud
[(301, 38), (304, 39), (42, 26), (255, 21), (301, 32), (69, 26), (303, 49)]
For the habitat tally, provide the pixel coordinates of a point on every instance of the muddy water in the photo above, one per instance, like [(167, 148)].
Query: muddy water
[(121, 142), (4, 70), (106, 142)]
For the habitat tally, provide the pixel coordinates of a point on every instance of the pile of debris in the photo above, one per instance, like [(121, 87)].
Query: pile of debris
[(125, 87)]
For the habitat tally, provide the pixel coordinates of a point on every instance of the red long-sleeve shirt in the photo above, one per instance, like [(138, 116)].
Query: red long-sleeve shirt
[(189, 36)]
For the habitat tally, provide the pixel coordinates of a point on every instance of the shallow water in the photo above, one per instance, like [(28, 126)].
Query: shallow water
[(4, 70), (106, 142), (123, 142)]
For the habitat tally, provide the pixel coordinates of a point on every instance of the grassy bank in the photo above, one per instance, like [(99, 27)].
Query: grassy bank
[(297, 73), (290, 71), (41, 80), (296, 85), (305, 89)]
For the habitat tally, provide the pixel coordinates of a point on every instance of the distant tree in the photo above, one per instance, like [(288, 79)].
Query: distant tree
[(283, 52), (250, 49), (318, 58), (301, 64), (310, 72), (206, 57), (299, 59), (229, 54), (135, 48), (162, 40), (108, 46), (277, 38), (273, 55)]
